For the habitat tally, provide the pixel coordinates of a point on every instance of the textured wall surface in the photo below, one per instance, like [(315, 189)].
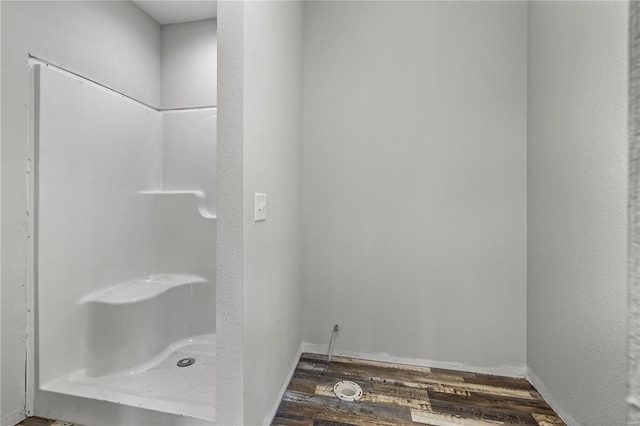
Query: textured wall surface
[(103, 41), (633, 266), (414, 204), (272, 165), (229, 303), (577, 201)]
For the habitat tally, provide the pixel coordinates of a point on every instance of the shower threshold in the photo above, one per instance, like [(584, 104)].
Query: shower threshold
[(158, 385)]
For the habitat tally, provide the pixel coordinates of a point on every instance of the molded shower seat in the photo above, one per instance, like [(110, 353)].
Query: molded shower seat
[(141, 289), (131, 322)]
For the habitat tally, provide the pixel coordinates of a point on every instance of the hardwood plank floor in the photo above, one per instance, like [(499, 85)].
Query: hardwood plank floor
[(395, 394)]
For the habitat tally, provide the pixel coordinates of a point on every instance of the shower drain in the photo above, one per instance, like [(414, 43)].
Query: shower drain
[(185, 362)]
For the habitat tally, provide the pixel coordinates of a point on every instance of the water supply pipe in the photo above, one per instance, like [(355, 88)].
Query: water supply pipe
[(333, 338)]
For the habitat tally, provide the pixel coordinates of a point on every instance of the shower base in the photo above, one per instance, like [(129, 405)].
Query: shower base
[(158, 385)]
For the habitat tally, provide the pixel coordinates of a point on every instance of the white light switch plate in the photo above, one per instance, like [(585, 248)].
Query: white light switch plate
[(260, 207)]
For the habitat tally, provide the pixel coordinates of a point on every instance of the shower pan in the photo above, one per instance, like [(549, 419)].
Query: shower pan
[(123, 240)]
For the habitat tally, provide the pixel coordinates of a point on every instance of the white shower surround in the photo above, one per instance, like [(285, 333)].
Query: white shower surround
[(71, 34), (125, 271), (68, 32)]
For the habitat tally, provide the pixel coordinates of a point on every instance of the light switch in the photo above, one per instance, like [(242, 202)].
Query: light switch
[(261, 207)]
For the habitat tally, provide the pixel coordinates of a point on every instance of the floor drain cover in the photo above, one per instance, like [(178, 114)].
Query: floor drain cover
[(185, 362)]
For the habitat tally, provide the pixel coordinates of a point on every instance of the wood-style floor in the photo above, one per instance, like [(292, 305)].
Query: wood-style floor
[(395, 394)]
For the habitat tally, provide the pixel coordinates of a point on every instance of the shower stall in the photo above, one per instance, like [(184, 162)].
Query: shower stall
[(123, 245)]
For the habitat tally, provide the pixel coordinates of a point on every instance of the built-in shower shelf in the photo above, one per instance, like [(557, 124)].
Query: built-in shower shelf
[(141, 289), (199, 196)]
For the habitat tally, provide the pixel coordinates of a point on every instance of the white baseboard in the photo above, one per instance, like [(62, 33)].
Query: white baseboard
[(508, 370), (269, 418), (542, 390)]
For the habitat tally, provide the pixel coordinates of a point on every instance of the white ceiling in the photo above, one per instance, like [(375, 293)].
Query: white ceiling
[(176, 11)]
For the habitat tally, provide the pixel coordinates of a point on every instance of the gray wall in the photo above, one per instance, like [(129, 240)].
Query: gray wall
[(577, 180), (272, 165), (104, 41), (189, 64), (414, 204), (259, 150)]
